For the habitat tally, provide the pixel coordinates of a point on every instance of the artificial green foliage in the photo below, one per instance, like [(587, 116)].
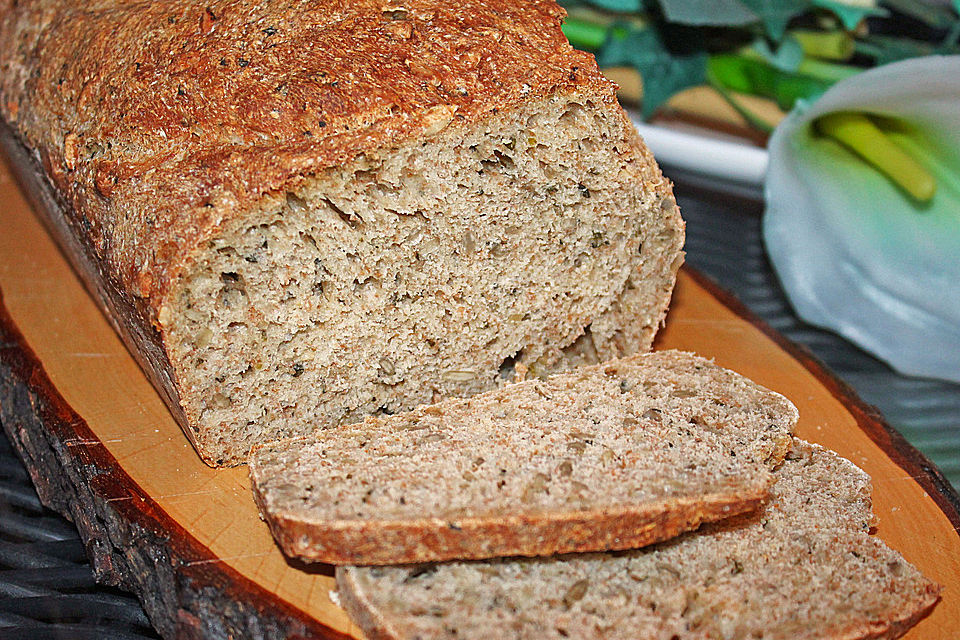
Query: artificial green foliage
[(776, 14), (950, 43), (887, 49), (784, 49), (664, 71), (585, 35), (787, 57), (850, 15), (755, 76), (620, 6), (726, 13), (933, 14)]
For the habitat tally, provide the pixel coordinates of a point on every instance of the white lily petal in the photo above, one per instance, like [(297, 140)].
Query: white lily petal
[(854, 254)]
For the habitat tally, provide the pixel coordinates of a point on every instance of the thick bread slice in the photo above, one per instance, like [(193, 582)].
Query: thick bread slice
[(301, 213), (612, 456), (802, 567)]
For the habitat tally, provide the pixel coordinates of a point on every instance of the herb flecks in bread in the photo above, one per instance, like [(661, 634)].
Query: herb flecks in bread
[(613, 456), (803, 567), (305, 213), (429, 272)]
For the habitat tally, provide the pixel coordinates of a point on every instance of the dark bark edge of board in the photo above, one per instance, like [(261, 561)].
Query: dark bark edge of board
[(186, 591)]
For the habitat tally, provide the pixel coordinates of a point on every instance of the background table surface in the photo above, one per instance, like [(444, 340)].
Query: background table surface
[(47, 587)]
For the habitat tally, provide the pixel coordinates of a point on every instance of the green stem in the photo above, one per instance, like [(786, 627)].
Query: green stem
[(826, 71), (827, 45), (585, 35), (746, 74), (858, 133), (752, 119)]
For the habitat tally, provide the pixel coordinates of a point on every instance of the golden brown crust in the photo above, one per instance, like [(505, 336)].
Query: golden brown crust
[(359, 542), (159, 123)]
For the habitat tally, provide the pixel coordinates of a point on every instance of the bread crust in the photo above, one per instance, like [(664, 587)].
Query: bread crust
[(372, 620), (353, 542), (126, 314), (895, 626)]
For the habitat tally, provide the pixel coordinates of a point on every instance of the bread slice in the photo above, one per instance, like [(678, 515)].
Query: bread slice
[(302, 213), (802, 567), (612, 456)]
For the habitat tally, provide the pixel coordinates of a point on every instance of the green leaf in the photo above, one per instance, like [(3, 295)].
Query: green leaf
[(949, 44), (664, 70), (787, 57), (887, 49), (934, 15), (583, 34), (776, 14), (850, 15), (727, 13), (621, 6)]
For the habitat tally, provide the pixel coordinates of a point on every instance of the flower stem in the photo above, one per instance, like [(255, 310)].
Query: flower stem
[(859, 134), (585, 35), (746, 74), (752, 119), (827, 71), (828, 45)]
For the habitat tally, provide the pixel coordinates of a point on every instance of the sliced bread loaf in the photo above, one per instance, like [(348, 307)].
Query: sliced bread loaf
[(801, 567), (302, 213), (611, 456)]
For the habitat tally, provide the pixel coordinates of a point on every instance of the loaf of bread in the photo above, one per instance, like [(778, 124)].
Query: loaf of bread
[(803, 567), (612, 456), (303, 213)]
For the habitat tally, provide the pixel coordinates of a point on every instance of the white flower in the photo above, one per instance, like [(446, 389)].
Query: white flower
[(856, 254)]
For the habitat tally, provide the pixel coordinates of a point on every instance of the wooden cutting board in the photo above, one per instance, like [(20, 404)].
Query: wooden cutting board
[(102, 449)]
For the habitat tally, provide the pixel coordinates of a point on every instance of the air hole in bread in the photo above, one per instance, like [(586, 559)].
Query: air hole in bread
[(508, 367)]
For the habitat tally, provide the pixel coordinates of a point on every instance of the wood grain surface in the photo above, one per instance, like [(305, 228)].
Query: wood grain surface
[(102, 448)]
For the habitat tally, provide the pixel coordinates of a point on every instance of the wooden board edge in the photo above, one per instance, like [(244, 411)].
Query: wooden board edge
[(127, 315), (186, 591), (869, 419)]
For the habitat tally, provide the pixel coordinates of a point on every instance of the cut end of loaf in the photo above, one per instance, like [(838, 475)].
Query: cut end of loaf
[(432, 270)]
